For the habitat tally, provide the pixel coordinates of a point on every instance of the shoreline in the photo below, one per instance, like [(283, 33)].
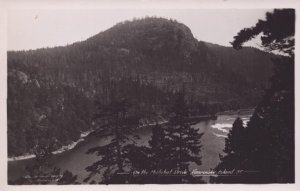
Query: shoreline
[(226, 112), (58, 151), (73, 144)]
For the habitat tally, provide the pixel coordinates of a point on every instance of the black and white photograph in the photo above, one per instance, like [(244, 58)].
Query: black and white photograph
[(150, 96)]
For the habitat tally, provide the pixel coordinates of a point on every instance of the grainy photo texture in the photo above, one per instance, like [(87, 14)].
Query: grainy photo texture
[(151, 96)]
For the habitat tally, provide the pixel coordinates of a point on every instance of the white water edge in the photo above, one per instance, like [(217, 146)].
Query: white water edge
[(222, 127), (61, 150), (219, 135), (225, 127)]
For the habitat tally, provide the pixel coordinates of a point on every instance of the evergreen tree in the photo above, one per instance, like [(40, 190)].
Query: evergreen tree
[(67, 178), (41, 170), (157, 147), (182, 143), (269, 145), (232, 160), (233, 143), (172, 148), (116, 122), (183, 140), (150, 159)]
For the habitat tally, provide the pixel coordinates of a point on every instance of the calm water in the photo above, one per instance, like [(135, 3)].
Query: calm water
[(75, 160)]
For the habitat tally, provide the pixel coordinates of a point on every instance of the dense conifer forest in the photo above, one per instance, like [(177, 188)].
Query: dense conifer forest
[(52, 91), (153, 73)]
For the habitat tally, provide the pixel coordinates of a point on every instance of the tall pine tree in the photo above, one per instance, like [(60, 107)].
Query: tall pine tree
[(232, 159), (172, 148), (116, 122), (269, 151), (182, 143)]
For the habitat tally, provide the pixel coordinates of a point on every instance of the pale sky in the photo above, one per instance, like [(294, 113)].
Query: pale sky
[(32, 29)]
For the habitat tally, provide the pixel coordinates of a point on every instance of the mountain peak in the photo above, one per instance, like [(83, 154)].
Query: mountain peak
[(157, 37)]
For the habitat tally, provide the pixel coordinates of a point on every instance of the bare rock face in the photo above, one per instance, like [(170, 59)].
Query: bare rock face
[(21, 76)]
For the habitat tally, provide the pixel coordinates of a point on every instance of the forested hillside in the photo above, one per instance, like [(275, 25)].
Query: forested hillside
[(51, 91)]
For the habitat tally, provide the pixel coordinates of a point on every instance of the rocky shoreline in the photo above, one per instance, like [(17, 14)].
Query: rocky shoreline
[(60, 150)]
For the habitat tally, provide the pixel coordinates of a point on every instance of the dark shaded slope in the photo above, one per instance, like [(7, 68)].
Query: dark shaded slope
[(52, 91), (254, 65)]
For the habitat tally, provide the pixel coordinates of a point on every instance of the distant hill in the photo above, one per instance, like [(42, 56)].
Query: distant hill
[(51, 91), (255, 65)]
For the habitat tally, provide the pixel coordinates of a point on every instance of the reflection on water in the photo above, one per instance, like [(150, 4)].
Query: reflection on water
[(75, 160)]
